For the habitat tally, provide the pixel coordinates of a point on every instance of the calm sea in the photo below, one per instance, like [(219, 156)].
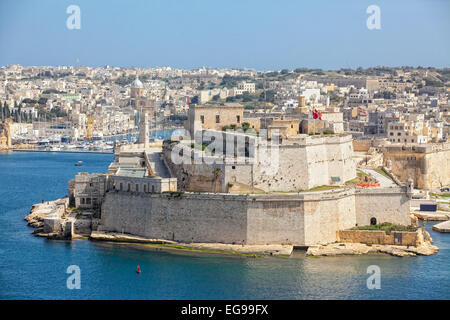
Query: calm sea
[(35, 268)]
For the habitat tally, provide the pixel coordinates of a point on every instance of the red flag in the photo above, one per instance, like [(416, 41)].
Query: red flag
[(315, 114)]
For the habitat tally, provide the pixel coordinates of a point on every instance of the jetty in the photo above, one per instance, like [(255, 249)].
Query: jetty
[(443, 227)]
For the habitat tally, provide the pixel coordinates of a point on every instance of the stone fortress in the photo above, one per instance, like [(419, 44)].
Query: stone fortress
[(236, 193)]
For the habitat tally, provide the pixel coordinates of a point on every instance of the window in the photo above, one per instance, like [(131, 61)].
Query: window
[(233, 167), (121, 186), (373, 221), (137, 187), (153, 189), (145, 188), (202, 119), (88, 200), (217, 119), (129, 187)]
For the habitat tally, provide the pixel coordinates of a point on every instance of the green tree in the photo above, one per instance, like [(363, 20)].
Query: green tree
[(194, 100)]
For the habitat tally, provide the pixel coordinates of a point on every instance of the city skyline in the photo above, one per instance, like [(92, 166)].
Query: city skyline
[(256, 35)]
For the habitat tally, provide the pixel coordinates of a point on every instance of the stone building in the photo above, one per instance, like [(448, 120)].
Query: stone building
[(427, 164), (299, 162), (213, 117)]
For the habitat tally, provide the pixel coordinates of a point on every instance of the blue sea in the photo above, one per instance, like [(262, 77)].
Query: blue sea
[(35, 268)]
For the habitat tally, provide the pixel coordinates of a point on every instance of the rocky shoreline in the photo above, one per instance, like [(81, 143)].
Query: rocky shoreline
[(338, 249), (55, 220)]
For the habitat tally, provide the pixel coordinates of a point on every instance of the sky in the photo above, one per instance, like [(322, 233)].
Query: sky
[(257, 34)]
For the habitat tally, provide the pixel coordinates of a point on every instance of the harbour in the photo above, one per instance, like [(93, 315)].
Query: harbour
[(108, 269)]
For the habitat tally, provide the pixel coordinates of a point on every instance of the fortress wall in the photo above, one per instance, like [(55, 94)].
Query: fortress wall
[(276, 222), (193, 218), (299, 219), (362, 145), (242, 173), (285, 171), (386, 205), (427, 165), (328, 214), (340, 157), (200, 218), (437, 169), (317, 166), (127, 212)]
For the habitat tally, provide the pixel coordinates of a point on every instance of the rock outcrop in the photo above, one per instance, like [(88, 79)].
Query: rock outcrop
[(55, 220), (337, 249)]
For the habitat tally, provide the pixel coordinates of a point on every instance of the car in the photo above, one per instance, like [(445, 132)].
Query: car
[(445, 189)]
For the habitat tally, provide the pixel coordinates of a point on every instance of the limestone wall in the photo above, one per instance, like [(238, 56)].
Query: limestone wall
[(325, 216), (428, 165), (386, 205), (378, 237), (295, 218), (193, 218)]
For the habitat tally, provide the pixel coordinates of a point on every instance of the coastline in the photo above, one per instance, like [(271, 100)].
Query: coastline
[(55, 220)]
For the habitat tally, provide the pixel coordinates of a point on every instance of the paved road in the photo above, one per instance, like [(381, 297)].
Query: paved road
[(382, 180), (154, 155)]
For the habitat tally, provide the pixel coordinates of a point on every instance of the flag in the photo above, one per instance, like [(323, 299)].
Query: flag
[(317, 114)]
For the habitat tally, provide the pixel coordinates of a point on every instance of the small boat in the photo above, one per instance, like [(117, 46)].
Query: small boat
[(79, 163)]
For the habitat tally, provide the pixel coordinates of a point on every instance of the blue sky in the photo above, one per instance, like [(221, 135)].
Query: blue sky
[(261, 34)]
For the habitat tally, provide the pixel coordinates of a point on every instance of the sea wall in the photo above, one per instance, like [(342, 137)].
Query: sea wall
[(284, 218), (384, 204), (177, 216), (401, 238)]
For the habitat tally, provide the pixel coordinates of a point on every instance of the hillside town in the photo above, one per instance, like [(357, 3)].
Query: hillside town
[(278, 159), (397, 117)]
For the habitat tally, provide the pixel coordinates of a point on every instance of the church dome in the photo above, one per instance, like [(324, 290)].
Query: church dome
[(137, 83)]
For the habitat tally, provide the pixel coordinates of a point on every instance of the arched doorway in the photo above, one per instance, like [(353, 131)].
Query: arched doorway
[(373, 221)]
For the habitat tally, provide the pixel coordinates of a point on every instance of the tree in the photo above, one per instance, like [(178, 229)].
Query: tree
[(194, 100), (245, 126)]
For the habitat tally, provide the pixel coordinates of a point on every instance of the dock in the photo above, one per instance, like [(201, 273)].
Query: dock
[(443, 227)]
